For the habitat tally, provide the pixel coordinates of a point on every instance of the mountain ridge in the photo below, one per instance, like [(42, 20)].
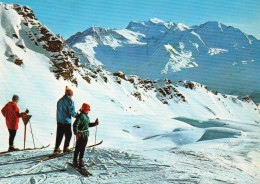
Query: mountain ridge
[(179, 52)]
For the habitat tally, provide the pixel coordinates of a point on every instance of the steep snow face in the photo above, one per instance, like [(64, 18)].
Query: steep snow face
[(210, 49), (178, 61), (92, 38)]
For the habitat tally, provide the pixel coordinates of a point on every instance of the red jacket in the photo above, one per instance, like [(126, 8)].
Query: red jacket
[(12, 114)]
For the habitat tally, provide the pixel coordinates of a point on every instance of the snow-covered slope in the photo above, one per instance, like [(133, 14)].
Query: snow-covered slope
[(152, 119), (220, 56)]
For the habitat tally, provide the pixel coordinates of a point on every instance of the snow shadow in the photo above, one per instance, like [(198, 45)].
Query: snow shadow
[(201, 124), (219, 133), (214, 129)]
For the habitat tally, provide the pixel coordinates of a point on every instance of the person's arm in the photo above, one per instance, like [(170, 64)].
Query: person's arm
[(72, 110), (18, 114), (76, 126), (77, 123), (92, 124), (4, 110)]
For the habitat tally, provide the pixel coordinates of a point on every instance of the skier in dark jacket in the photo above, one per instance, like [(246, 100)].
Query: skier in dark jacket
[(12, 114), (65, 110), (80, 129)]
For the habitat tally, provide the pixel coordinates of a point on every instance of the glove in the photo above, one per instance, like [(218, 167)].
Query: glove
[(97, 122), (27, 111), (78, 134), (23, 115)]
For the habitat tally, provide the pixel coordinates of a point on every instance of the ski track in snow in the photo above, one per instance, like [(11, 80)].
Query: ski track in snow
[(200, 162)]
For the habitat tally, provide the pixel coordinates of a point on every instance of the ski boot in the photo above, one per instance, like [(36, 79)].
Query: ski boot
[(56, 151), (12, 148), (67, 150), (75, 162), (81, 163)]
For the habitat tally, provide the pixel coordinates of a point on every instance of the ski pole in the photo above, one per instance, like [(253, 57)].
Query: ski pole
[(74, 143), (32, 134), (24, 140), (93, 163)]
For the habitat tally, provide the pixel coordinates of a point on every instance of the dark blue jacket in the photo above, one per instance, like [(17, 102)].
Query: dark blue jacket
[(65, 109)]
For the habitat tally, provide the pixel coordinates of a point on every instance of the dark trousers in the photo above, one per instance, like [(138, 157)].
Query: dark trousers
[(63, 128), (12, 134), (80, 147)]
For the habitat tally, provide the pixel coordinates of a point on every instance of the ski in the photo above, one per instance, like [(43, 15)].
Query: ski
[(93, 145), (26, 149), (83, 171), (52, 156)]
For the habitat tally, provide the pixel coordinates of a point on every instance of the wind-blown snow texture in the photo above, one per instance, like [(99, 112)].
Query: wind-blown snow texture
[(219, 56), (153, 131)]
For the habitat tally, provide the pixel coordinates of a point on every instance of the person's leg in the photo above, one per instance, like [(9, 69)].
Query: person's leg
[(59, 135), (77, 150), (68, 135), (12, 134), (83, 147), (82, 150)]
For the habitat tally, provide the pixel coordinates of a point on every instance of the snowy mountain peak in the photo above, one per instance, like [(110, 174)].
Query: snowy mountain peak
[(182, 27), (156, 21), (94, 29), (178, 51), (153, 24)]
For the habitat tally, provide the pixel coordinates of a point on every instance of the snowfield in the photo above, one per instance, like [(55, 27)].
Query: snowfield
[(153, 131), (154, 160)]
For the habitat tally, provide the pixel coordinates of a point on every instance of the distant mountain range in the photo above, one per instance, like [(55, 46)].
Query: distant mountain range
[(219, 56)]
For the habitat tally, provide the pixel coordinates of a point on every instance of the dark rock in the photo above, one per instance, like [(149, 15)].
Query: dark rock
[(137, 126), (87, 78), (21, 46), (105, 79), (167, 89), (167, 81), (54, 46), (191, 85), (131, 80), (15, 35), (93, 76), (161, 91), (137, 95), (18, 62), (120, 74), (165, 102), (246, 99)]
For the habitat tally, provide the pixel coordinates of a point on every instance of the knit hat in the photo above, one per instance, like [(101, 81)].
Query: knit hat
[(85, 107), (15, 98), (68, 91)]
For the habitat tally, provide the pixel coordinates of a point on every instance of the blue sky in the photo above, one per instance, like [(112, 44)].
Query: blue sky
[(66, 17)]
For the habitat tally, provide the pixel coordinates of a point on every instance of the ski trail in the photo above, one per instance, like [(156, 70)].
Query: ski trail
[(116, 161)]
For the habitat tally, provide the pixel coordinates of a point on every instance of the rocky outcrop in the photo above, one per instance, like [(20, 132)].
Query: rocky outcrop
[(18, 62), (120, 75), (63, 59), (137, 95), (247, 99), (25, 11)]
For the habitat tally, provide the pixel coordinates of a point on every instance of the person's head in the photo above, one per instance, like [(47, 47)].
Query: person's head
[(85, 108), (68, 91), (15, 98)]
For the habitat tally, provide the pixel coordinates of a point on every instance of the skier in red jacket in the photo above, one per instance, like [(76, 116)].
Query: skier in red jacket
[(12, 114)]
